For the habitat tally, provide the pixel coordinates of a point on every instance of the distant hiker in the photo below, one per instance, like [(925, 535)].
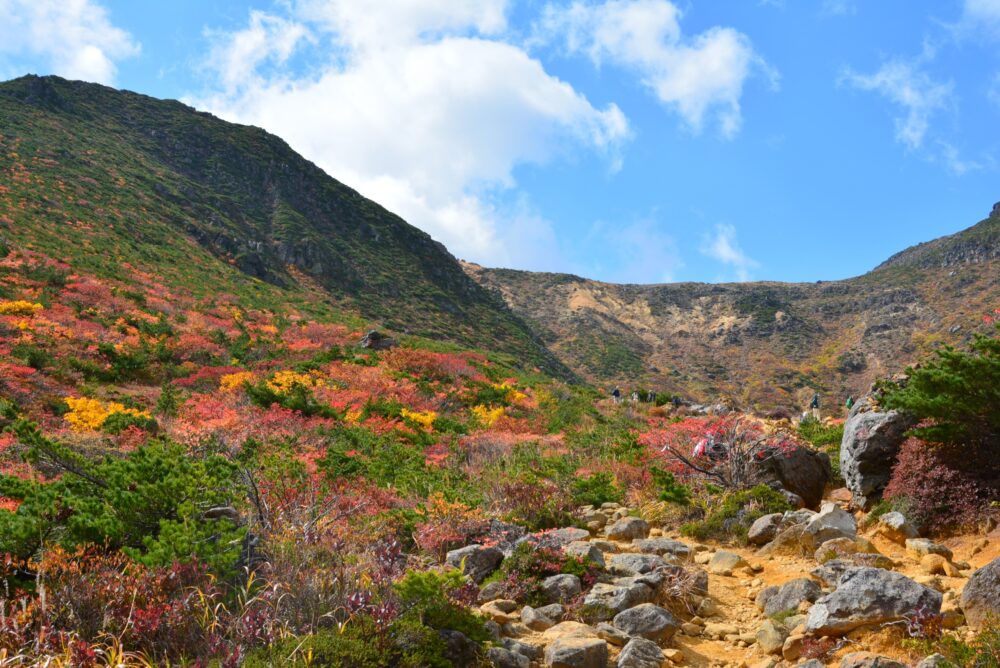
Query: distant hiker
[(676, 401), (849, 403), (616, 395), (814, 405), (635, 397)]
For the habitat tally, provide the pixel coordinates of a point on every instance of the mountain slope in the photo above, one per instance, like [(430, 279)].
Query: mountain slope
[(113, 182), (764, 343)]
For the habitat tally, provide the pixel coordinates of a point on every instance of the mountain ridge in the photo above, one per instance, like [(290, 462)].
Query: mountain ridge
[(166, 185), (764, 343)]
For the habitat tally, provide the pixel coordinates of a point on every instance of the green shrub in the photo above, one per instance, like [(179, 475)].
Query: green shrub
[(983, 651), (955, 394), (116, 423), (299, 398), (731, 519), (426, 596), (669, 489), (150, 503), (354, 646), (596, 489)]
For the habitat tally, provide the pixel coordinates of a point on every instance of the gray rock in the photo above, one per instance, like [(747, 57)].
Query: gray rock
[(459, 649), (559, 588), (607, 600), (628, 528), (868, 660), (792, 539), (641, 653), (800, 470), (771, 637), (764, 529), (491, 592), (662, 547), (535, 620), (552, 611), (633, 564), (868, 451), (831, 522), (585, 550), (811, 663), (831, 572), (933, 661), (475, 561), (869, 596), (616, 637), (648, 621), (800, 516), (577, 653), (559, 538), (896, 527), (503, 658), (981, 596), (788, 596), (724, 563), (921, 547), (522, 648)]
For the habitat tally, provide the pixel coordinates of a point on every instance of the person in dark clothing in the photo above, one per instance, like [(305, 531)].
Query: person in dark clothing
[(849, 403), (616, 395), (814, 405)]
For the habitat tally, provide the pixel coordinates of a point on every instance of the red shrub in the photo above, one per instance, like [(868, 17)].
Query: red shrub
[(941, 486)]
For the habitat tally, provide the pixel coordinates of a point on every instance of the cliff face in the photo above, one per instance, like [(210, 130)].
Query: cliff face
[(764, 344)]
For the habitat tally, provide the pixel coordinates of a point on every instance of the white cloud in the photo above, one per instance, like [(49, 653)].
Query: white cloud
[(910, 88), (981, 16), (697, 76), (723, 246), (838, 8), (952, 159), (419, 104), (75, 38)]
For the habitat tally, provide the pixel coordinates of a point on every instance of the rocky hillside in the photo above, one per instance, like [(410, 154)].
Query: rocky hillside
[(110, 182), (764, 344)]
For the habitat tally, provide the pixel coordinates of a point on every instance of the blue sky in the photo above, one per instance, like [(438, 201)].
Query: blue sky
[(623, 140)]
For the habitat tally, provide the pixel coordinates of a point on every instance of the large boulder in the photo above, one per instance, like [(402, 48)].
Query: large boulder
[(724, 563), (475, 561), (607, 600), (640, 653), (981, 596), (801, 470), (577, 653), (628, 528), (764, 529), (789, 596), (868, 451), (866, 596), (648, 621), (562, 587), (630, 563)]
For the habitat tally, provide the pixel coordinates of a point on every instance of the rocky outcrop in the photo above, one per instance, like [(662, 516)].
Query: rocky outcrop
[(868, 451), (647, 621), (789, 596), (870, 596), (981, 596), (640, 653)]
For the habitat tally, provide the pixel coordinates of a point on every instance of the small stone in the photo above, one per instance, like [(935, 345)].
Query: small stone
[(920, 547), (702, 558), (673, 655), (896, 528), (515, 630), (558, 588), (935, 564), (764, 529), (475, 561), (724, 563), (500, 611), (721, 630), (535, 620), (616, 637), (690, 629), (585, 550), (771, 637), (792, 647), (868, 660), (640, 653), (503, 658)]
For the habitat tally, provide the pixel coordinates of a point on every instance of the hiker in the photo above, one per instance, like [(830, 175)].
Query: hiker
[(814, 405), (676, 401), (616, 395), (635, 397), (849, 403)]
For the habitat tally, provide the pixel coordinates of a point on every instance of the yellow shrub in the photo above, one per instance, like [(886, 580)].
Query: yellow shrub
[(513, 394), (284, 381), (235, 381), (425, 420), (90, 414), (19, 307), (486, 416)]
